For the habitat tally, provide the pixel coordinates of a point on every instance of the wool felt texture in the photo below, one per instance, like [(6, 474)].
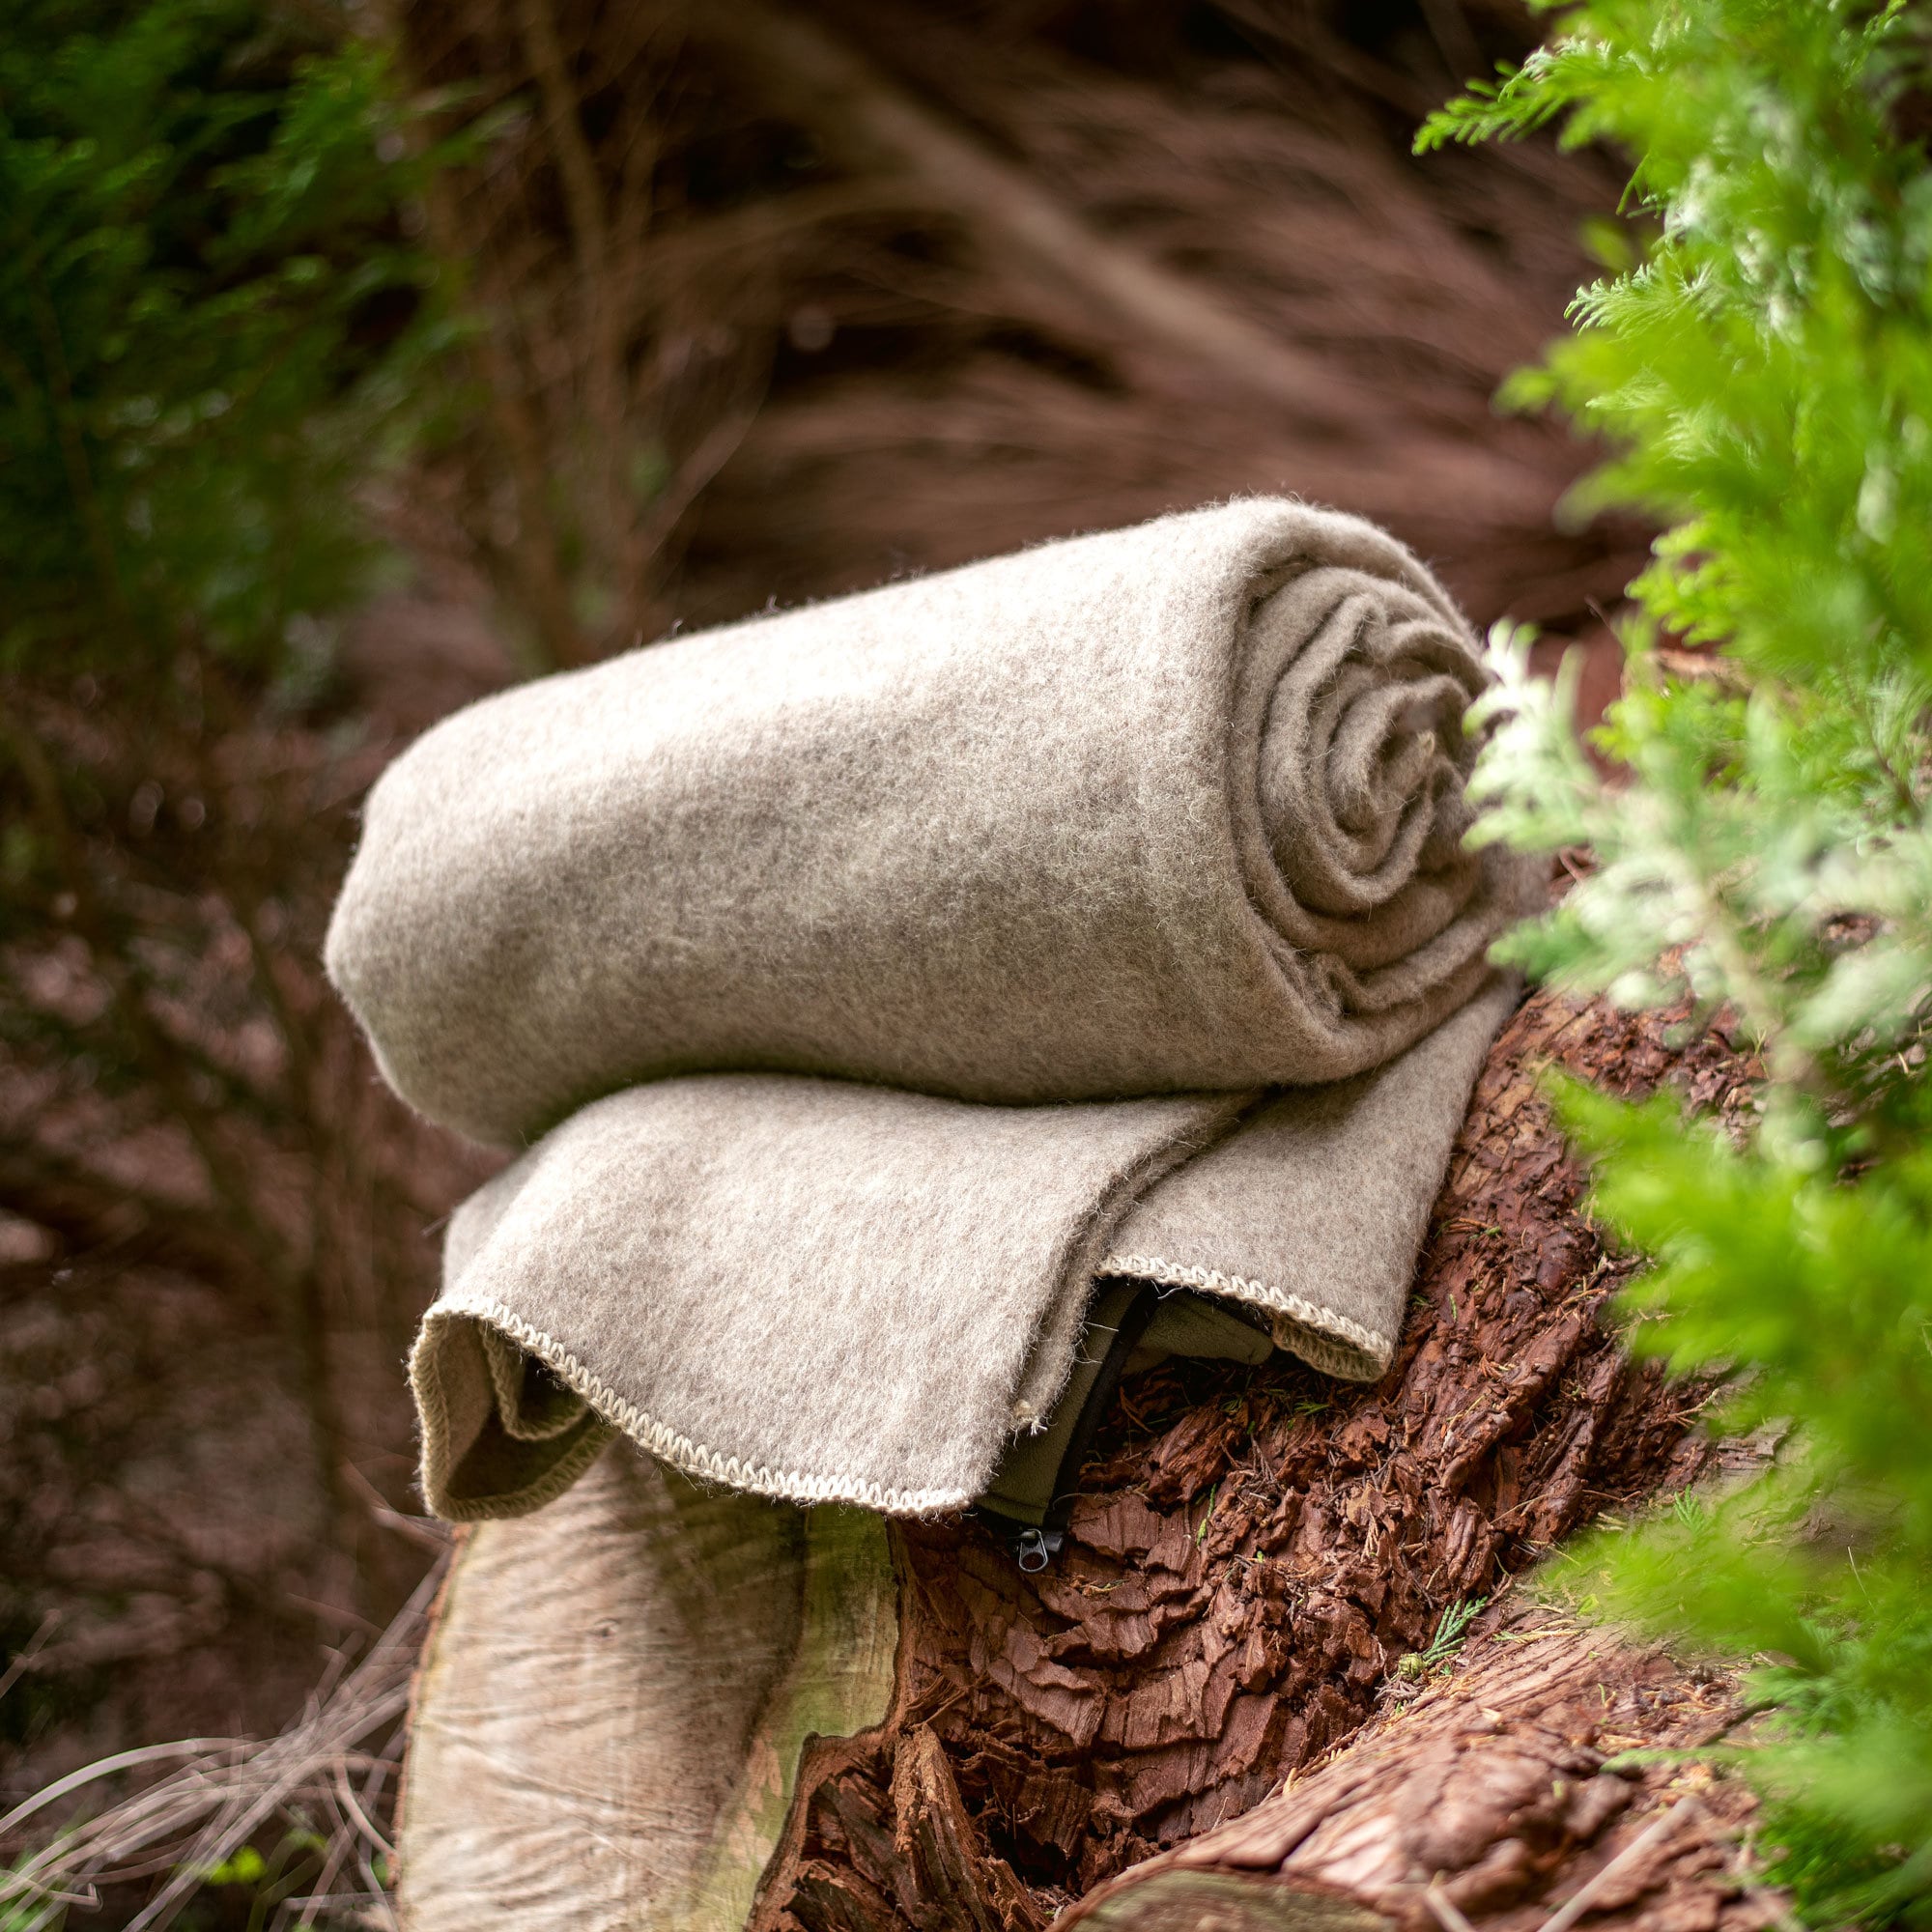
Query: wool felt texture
[(881, 974), (839, 1293), (1168, 809), (1315, 1209)]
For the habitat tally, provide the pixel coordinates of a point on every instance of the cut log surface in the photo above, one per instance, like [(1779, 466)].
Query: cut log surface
[(1253, 1556), (617, 1697)]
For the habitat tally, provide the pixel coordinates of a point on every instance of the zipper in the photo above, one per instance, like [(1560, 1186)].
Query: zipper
[(1034, 1549)]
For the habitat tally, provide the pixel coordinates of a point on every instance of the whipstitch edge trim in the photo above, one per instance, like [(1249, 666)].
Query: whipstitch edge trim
[(1374, 1347), (668, 1445)]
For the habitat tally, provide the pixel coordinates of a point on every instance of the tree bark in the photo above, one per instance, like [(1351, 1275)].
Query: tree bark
[(1266, 1565), (1480, 1792), (1256, 1552), (1488, 1795)]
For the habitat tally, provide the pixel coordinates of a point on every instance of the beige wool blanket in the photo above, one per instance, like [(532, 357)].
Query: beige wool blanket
[(865, 981)]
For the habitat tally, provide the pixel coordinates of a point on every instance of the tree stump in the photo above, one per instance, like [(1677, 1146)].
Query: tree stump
[(615, 1698), (1253, 1556)]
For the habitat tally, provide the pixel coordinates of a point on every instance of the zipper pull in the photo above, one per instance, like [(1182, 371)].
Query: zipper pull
[(1035, 1548)]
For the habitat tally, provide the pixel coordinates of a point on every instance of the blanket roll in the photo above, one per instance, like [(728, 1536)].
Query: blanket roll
[(1167, 810)]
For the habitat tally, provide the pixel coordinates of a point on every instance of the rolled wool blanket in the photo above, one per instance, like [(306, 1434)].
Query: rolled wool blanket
[(1153, 821), (1169, 808)]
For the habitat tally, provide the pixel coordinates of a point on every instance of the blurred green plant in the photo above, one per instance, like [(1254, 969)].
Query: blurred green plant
[(217, 332), (1759, 358), (213, 328), (299, 1854), (1452, 1631)]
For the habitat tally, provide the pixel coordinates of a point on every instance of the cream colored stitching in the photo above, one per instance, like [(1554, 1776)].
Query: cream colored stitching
[(662, 1441), (1323, 1321), (426, 1378), (1358, 1347)]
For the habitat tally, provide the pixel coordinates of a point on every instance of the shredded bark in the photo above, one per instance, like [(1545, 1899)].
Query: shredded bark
[(1506, 1790), (1254, 1553)]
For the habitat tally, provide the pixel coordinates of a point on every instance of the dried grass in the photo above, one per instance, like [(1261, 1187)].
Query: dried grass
[(326, 1781), (1289, 199)]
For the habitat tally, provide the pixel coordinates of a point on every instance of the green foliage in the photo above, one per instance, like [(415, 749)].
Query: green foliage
[(245, 1867), (298, 1858), (212, 327), (1760, 363), (1817, 1572), (1452, 1629)]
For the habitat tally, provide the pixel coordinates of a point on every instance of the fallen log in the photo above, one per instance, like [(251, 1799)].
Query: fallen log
[(1261, 1566), (1495, 1794)]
